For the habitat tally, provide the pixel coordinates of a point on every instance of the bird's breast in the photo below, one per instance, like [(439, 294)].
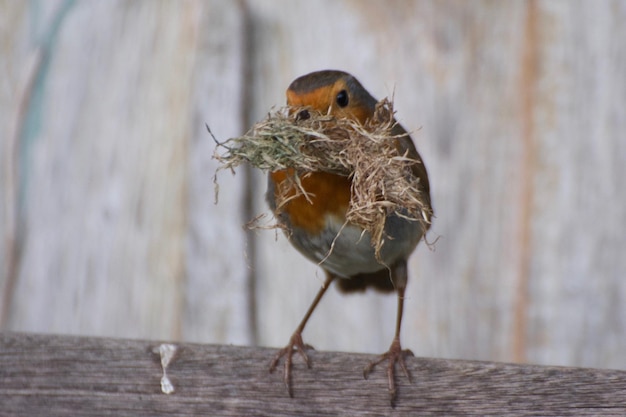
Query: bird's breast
[(326, 195), (316, 225)]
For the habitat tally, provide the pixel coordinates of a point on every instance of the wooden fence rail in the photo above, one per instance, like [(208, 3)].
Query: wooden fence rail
[(69, 375)]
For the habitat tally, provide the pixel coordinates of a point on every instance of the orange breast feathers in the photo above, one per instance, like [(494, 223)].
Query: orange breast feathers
[(327, 194)]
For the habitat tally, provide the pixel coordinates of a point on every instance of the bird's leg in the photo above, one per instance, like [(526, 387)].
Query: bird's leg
[(395, 354), (295, 343)]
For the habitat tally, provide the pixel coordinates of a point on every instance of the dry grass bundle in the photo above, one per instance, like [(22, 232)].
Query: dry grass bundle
[(382, 179)]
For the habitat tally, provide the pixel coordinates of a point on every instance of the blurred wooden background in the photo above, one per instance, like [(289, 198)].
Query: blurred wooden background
[(107, 218)]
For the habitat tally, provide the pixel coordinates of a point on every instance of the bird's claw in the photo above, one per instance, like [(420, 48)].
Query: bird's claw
[(295, 345), (394, 355)]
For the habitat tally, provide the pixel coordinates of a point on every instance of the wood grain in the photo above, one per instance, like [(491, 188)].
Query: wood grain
[(117, 221), (61, 375)]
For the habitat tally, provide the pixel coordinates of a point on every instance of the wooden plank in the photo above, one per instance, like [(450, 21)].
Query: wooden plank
[(217, 284), (61, 375), (577, 291), (86, 169), (16, 68), (118, 223)]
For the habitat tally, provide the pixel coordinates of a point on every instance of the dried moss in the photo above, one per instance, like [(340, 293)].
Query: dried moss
[(382, 179)]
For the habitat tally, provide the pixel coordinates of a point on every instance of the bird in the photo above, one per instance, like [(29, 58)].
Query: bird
[(315, 223)]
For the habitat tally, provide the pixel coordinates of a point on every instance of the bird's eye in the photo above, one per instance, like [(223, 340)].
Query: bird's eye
[(342, 98)]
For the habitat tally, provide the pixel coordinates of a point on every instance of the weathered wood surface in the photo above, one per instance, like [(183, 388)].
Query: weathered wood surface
[(107, 221), (67, 375), (112, 172)]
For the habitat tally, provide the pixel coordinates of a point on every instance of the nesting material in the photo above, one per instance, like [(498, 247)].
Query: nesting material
[(382, 180)]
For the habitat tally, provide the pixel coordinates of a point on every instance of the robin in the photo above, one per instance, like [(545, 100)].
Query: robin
[(315, 223)]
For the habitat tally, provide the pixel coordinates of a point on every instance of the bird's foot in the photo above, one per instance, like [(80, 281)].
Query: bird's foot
[(394, 355), (295, 345)]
